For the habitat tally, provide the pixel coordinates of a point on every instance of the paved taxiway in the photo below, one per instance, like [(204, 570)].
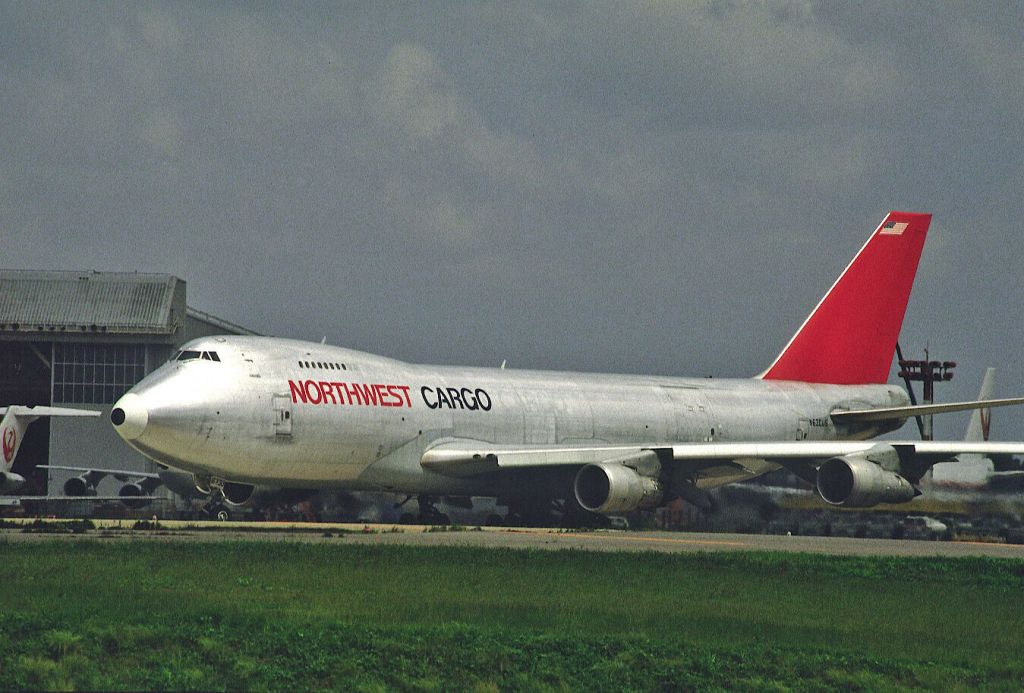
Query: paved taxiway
[(551, 539)]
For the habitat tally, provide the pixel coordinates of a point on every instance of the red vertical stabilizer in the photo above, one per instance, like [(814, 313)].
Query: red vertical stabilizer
[(850, 337)]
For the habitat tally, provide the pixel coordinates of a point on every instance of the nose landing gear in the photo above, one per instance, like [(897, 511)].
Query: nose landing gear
[(215, 507)]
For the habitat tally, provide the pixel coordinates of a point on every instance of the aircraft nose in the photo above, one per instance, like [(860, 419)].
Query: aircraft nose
[(129, 416)]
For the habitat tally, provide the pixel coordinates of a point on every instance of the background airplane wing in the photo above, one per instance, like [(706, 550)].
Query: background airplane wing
[(17, 500), (48, 411), (119, 474)]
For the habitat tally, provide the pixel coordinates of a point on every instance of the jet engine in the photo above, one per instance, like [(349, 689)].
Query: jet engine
[(611, 488), (9, 481), (860, 483), (80, 486), (133, 496), (137, 493)]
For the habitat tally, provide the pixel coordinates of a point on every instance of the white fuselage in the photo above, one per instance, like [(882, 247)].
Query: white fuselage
[(297, 414)]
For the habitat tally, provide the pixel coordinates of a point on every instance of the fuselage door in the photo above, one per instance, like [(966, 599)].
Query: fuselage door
[(250, 366), (693, 421), (538, 417), (282, 415)]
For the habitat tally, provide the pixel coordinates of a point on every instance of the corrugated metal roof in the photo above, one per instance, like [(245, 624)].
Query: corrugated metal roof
[(220, 323), (45, 301)]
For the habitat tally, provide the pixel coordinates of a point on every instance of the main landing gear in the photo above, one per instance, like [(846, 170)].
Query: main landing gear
[(428, 514), (552, 512), (216, 510)]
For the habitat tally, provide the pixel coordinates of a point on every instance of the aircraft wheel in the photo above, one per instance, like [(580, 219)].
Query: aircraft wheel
[(223, 515)]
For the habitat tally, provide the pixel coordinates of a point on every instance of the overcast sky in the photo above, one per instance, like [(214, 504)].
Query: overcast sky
[(652, 188)]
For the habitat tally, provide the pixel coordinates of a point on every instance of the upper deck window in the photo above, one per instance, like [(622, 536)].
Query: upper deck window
[(322, 365)]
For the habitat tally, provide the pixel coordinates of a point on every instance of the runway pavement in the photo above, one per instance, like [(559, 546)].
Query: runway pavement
[(549, 539)]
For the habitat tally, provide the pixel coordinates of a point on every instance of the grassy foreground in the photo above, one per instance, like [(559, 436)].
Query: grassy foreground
[(258, 615)]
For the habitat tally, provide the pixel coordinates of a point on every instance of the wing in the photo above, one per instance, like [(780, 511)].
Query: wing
[(48, 411), (119, 474), (17, 500), (460, 457)]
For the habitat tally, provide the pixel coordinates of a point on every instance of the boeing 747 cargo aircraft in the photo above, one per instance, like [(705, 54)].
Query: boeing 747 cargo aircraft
[(245, 413)]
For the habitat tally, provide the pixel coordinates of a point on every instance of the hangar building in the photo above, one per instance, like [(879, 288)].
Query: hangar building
[(81, 339)]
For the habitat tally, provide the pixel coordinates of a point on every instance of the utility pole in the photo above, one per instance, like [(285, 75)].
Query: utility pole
[(928, 372)]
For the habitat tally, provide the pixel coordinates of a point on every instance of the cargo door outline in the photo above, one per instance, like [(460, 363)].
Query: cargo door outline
[(282, 416), (538, 417), (251, 367), (693, 418)]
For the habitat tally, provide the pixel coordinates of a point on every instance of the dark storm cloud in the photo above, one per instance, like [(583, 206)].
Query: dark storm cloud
[(662, 188)]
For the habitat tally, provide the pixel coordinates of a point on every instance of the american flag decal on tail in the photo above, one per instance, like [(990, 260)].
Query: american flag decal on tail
[(893, 228)]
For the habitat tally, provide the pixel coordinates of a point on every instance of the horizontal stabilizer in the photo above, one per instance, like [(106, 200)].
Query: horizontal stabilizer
[(890, 413)]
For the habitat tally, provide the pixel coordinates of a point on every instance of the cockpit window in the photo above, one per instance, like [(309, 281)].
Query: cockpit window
[(190, 355)]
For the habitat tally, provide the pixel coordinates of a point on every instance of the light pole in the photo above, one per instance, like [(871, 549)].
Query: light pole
[(927, 372)]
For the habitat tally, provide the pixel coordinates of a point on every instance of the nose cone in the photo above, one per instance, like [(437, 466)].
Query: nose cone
[(129, 416)]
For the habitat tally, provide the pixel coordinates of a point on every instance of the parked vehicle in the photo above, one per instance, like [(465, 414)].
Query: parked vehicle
[(922, 527)]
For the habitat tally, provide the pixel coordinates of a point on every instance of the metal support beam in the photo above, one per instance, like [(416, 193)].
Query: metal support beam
[(928, 372), (35, 350)]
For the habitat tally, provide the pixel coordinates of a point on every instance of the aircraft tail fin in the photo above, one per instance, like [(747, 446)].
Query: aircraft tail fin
[(970, 469), (12, 430), (15, 422), (981, 419), (850, 337)]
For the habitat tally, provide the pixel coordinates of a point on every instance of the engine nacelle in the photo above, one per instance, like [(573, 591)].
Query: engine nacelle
[(247, 495), (79, 486), (134, 496), (859, 483), (614, 488), (239, 495), (9, 481)]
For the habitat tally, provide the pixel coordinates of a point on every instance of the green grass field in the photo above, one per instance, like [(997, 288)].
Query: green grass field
[(284, 615)]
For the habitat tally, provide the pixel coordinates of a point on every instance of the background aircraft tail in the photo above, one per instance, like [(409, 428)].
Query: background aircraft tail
[(981, 419), (12, 431), (850, 337), (970, 470)]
